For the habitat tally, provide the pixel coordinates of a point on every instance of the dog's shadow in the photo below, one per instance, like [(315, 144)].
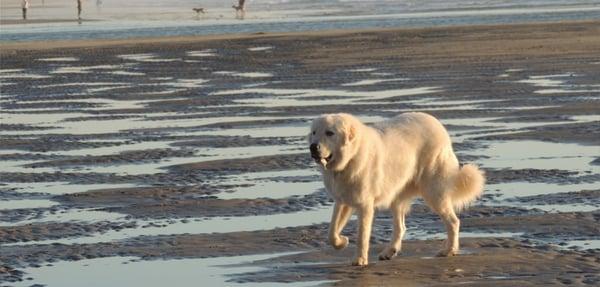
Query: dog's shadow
[(328, 265)]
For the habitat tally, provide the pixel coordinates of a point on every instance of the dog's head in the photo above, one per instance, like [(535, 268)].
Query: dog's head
[(332, 140)]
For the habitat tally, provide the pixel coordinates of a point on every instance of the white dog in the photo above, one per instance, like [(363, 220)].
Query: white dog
[(385, 166)]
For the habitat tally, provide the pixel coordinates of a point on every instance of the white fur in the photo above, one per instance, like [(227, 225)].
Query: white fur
[(385, 166)]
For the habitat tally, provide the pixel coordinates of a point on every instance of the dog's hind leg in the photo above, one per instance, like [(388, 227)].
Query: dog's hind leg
[(399, 208), (452, 227), (445, 210), (341, 214), (437, 193)]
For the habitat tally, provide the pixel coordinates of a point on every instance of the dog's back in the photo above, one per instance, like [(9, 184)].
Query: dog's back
[(415, 145), (414, 128)]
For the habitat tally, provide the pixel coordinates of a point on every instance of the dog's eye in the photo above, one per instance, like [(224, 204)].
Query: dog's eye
[(328, 133), (314, 132)]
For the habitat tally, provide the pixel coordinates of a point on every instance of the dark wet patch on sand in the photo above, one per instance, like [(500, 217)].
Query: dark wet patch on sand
[(489, 262), (182, 202), (22, 127), (138, 156), (253, 164), (50, 143), (531, 175), (584, 133), (56, 230), (587, 197), (550, 226), (20, 214), (235, 141), (31, 156)]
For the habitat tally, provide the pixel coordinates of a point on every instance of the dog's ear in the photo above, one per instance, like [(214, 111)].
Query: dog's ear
[(351, 133)]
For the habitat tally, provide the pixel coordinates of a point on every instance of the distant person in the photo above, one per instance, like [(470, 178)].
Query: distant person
[(98, 5), (240, 9), (25, 6), (79, 9)]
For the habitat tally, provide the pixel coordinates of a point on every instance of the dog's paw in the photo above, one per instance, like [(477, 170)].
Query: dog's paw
[(447, 252), (360, 261), (388, 253), (340, 243)]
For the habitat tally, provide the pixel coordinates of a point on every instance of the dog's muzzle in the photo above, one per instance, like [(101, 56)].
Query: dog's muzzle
[(315, 153)]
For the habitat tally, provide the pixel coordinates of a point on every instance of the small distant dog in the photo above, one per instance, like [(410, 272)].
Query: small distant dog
[(385, 166), (240, 9), (199, 10)]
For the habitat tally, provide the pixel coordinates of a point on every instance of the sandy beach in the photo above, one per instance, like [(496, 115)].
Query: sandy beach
[(191, 149)]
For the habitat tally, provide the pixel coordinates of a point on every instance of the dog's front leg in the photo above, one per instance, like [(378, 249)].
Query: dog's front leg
[(365, 220), (341, 214)]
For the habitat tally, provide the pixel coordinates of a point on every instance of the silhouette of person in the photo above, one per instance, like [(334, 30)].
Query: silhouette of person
[(240, 9), (25, 6), (79, 4)]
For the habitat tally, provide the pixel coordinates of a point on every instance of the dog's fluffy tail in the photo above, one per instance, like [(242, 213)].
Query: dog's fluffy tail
[(468, 186)]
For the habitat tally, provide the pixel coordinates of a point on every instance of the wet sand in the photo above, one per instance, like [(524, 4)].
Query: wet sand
[(193, 147)]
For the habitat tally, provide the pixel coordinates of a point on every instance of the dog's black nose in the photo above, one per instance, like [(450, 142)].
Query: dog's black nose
[(314, 148)]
